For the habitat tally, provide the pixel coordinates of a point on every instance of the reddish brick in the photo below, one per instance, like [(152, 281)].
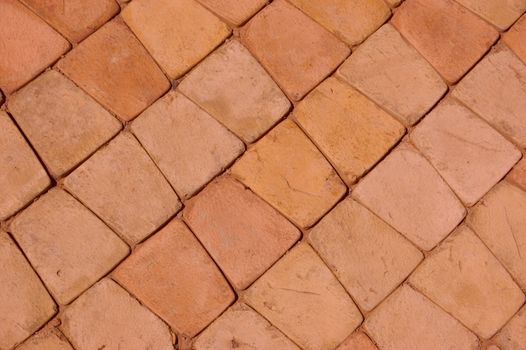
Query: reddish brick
[(47, 339), (514, 38), (518, 174), (513, 336), (235, 12), (357, 341), (501, 14)]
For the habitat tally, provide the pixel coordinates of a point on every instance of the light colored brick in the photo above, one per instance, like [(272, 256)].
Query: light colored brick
[(357, 341), (500, 13), (47, 339), (514, 38), (513, 336), (233, 11)]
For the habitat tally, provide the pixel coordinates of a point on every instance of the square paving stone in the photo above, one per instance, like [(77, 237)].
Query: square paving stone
[(29, 45), (173, 276), (47, 339), (518, 174), (25, 304), (512, 336), (234, 12), (483, 299), (514, 38), (242, 327), (302, 298), (69, 247), (242, 233), (500, 222), (107, 317), (469, 154), (393, 74), (407, 193), (116, 70), (232, 86), (367, 256), (294, 49), (122, 185), (177, 33), (189, 146), (496, 90), (62, 122), (348, 128), (289, 172), (23, 177), (357, 341), (453, 38), (501, 14), (407, 320)]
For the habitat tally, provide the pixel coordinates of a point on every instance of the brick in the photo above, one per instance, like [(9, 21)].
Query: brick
[(28, 44), (470, 155), (113, 51), (47, 339), (407, 193), (311, 51), (350, 21), (453, 39), (512, 336), (241, 327), (113, 320), (518, 174), (177, 33), (499, 221), (123, 187), (483, 299), (25, 304), (23, 177), (74, 19), (69, 247), (242, 233), (233, 88), (287, 171), (408, 320), (501, 14), (300, 296), (514, 38), (393, 3), (189, 146), (63, 123), (173, 276), (233, 11), (357, 341), (394, 75), (352, 132), (496, 90), (367, 256)]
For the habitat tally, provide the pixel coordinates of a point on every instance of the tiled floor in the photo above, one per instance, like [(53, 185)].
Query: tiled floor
[(256, 174)]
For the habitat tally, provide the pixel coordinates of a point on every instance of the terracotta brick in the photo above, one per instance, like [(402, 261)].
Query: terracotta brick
[(232, 86), (23, 177), (470, 155), (500, 222), (357, 341), (187, 144), (496, 90), (393, 3), (242, 233), (75, 19), (367, 256), (300, 296), (349, 129), (177, 33), (173, 275), (123, 187), (453, 39), (393, 74), (47, 339), (107, 317), (407, 193), (514, 38), (501, 14), (61, 121), (311, 51), (513, 336), (113, 51), (28, 44), (69, 247), (483, 299), (287, 171), (518, 174), (408, 320), (241, 327), (25, 304), (351, 21), (233, 11)]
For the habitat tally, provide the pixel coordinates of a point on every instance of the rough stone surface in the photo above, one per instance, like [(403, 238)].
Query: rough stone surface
[(518, 174), (234, 12), (301, 297), (242, 233), (357, 341), (311, 51), (513, 336), (123, 186), (514, 38), (47, 339), (348, 128), (62, 122), (287, 171), (232, 86), (500, 13)]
